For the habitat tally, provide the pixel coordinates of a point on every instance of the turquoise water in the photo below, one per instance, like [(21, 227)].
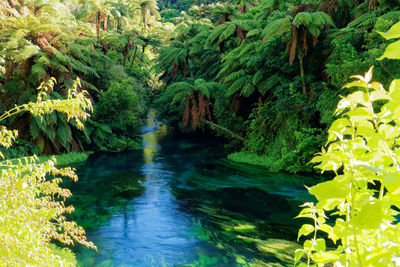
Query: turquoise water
[(179, 202)]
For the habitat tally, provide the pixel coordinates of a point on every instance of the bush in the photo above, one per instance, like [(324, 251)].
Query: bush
[(117, 117), (32, 204), (363, 152), (121, 107)]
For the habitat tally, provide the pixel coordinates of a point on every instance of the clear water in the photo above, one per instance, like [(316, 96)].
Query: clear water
[(179, 202)]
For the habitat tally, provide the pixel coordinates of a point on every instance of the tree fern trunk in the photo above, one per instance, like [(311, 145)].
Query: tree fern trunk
[(9, 71), (133, 59), (216, 126), (105, 23), (303, 81), (98, 25)]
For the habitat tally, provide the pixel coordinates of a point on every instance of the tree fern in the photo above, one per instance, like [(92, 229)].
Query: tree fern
[(27, 52), (38, 72), (276, 28), (64, 134), (258, 76), (236, 86), (364, 20)]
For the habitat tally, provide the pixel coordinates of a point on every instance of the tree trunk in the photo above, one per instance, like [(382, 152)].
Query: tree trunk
[(303, 81), (216, 126), (240, 33), (9, 71), (133, 59), (118, 24), (105, 23), (98, 26)]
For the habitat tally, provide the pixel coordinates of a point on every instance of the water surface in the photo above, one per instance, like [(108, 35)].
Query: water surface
[(179, 202)]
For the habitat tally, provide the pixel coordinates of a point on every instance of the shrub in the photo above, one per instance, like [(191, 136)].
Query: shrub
[(120, 107), (363, 151), (31, 202)]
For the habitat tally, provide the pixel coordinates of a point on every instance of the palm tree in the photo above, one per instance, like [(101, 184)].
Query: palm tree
[(298, 26)]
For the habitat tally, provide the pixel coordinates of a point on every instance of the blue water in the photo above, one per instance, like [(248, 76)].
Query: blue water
[(179, 202)]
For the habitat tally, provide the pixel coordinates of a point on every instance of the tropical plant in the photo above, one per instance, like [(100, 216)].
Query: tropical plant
[(100, 11), (196, 94), (147, 8), (302, 21)]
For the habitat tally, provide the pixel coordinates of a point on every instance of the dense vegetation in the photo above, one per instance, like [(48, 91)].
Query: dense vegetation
[(363, 152), (73, 77), (271, 71), (102, 43), (266, 75)]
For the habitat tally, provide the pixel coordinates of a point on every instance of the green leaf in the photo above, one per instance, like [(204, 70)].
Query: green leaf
[(392, 51), (392, 183), (305, 230), (393, 33), (298, 254), (307, 245), (394, 86), (339, 125), (379, 95), (370, 216), (360, 114), (329, 190), (325, 257), (320, 244), (356, 83)]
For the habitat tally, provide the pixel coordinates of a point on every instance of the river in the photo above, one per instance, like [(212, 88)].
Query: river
[(180, 202)]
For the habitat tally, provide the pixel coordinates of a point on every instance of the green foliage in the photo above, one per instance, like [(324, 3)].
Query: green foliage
[(121, 106), (291, 58), (32, 203), (92, 41), (362, 150), (116, 118), (65, 159)]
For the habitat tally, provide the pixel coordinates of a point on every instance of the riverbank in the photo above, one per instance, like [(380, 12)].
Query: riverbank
[(66, 159), (272, 164)]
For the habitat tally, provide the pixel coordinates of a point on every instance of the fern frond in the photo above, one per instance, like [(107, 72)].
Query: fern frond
[(276, 28), (237, 86)]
